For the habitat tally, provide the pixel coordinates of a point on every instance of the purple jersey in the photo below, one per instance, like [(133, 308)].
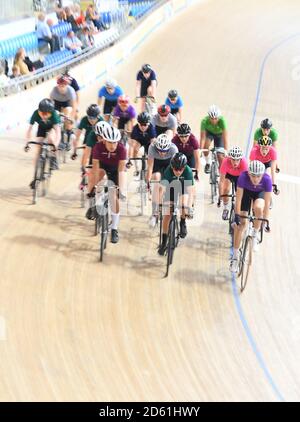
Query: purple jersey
[(265, 185), (109, 159), (189, 147), (128, 114)]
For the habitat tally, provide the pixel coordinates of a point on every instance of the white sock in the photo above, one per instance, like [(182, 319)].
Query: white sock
[(115, 218)]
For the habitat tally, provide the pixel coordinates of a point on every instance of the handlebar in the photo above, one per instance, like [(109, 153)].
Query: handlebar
[(251, 218), (276, 191), (44, 144)]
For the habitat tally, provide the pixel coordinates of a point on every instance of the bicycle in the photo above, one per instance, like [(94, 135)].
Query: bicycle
[(150, 105), (232, 207), (214, 171), (173, 235), (103, 217), (245, 260), (64, 145), (124, 136), (42, 172), (142, 188)]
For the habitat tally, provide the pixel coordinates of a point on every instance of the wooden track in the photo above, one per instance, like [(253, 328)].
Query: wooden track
[(80, 330)]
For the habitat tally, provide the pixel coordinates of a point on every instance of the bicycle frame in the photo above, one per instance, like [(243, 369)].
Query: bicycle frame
[(142, 189)]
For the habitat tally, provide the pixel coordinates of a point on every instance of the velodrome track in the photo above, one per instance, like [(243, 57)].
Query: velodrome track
[(80, 330)]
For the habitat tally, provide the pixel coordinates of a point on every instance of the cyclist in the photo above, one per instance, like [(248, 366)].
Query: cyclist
[(48, 121), (124, 114), (93, 138), (231, 167), (142, 135), (253, 186), (187, 143), (266, 153), (87, 124), (73, 84), (266, 129), (177, 181), (159, 157), (64, 97), (108, 97), (174, 101), (146, 84), (68, 136), (213, 128), (164, 121), (109, 159)]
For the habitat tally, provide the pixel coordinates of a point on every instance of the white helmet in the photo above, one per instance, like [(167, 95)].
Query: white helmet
[(256, 168), (100, 126), (110, 83), (236, 153), (214, 112), (163, 142), (111, 134)]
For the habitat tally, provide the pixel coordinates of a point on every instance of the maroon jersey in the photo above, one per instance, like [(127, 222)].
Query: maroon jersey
[(109, 159), (189, 147)]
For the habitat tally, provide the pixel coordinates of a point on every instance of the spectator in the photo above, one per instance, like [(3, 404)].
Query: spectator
[(61, 15), (19, 61), (4, 80), (4, 64), (87, 38), (43, 33), (71, 20), (80, 20), (72, 42), (92, 16), (15, 72)]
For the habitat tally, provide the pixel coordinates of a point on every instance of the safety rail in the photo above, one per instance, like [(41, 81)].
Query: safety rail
[(121, 25)]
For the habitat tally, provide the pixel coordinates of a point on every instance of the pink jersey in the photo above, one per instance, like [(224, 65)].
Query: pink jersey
[(255, 154), (226, 167)]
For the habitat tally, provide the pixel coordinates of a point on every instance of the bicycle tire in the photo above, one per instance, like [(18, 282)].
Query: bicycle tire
[(231, 221), (213, 181), (83, 191), (97, 225), (103, 235), (45, 176), (171, 245), (37, 178), (246, 260)]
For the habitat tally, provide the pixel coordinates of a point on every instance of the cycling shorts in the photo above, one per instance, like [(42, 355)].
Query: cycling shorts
[(108, 106), (217, 139), (248, 197)]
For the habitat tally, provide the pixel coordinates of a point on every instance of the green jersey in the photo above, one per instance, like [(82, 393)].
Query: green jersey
[(218, 129), (48, 124), (259, 133), (91, 140), (86, 125), (186, 178)]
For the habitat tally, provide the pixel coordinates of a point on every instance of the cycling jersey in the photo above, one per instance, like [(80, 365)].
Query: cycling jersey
[(68, 96), (162, 127), (91, 139), (255, 154), (44, 126), (169, 175), (207, 125), (259, 134), (110, 96), (174, 106), (74, 84), (188, 147), (109, 159), (265, 185), (227, 168), (177, 185), (145, 82), (87, 126), (128, 114), (143, 138)]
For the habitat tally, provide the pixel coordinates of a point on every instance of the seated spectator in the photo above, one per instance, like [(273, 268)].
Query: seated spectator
[(4, 64), (92, 16), (61, 15), (15, 72), (80, 20), (87, 38), (72, 42), (4, 80), (19, 61), (43, 33), (71, 20)]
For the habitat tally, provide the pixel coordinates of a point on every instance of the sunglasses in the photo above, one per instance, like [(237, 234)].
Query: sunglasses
[(143, 124), (183, 136)]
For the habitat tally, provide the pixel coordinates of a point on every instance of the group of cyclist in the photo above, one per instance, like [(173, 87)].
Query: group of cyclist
[(171, 149)]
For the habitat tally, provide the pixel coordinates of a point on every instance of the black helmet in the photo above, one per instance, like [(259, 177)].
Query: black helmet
[(93, 111), (178, 161), (144, 118), (146, 68), (173, 94), (266, 124), (46, 106), (184, 129)]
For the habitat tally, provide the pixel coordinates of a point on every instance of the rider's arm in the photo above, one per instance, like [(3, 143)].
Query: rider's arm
[(238, 203), (191, 196), (122, 175), (57, 130), (221, 185), (150, 163), (267, 198), (86, 155), (138, 88), (225, 139), (153, 87), (273, 170), (197, 161), (202, 138), (100, 101), (28, 133), (76, 142), (179, 115)]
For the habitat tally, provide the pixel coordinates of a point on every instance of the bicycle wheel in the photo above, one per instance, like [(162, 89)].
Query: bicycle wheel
[(37, 179), (171, 245), (103, 234), (213, 181), (246, 260), (97, 224), (231, 220), (46, 174), (143, 193), (83, 185)]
